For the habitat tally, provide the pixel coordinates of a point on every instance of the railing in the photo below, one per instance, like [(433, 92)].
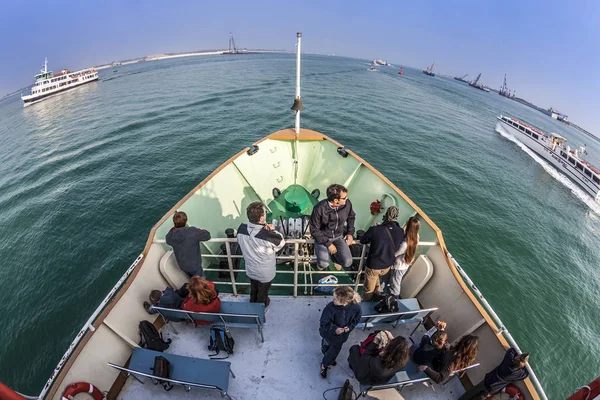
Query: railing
[(298, 259), (502, 329)]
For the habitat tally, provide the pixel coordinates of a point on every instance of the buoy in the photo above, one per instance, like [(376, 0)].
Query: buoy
[(7, 393), (82, 387)]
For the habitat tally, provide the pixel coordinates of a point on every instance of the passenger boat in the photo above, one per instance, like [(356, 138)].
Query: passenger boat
[(48, 84), (288, 171), (553, 148)]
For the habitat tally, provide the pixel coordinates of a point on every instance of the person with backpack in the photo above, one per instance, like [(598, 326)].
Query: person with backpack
[(434, 344), (185, 241), (378, 369), (327, 228), (203, 297), (511, 369), (259, 242), (384, 241), (405, 254), (338, 319)]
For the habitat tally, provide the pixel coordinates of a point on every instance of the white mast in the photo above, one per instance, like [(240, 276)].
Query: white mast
[(45, 70), (298, 98)]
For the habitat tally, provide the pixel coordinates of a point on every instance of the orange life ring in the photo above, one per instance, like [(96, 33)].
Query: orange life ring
[(7, 393), (82, 387), (512, 391)]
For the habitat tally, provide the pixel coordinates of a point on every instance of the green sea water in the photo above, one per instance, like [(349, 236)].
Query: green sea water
[(85, 175)]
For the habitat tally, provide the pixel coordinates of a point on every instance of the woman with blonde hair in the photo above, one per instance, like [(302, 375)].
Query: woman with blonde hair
[(405, 255), (337, 321), (203, 297)]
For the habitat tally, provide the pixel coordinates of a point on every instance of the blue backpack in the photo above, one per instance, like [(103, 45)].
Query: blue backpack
[(220, 340)]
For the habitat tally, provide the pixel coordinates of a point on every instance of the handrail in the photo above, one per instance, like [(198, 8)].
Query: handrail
[(502, 330), (88, 325)]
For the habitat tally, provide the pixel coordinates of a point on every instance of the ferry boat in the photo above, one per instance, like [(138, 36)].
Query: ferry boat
[(429, 70), (48, 84), (553, 148), (288, 171)]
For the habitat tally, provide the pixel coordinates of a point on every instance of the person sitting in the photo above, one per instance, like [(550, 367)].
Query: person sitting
[(384, 241), (458, 357), (203, 297), (378, 369), (433, 345), (405, 255), (185, 241), (337, 321), (511, 369), (327, 228), (167, 298)]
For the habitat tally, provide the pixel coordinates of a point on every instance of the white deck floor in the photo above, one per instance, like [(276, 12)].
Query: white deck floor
[(286, 365)]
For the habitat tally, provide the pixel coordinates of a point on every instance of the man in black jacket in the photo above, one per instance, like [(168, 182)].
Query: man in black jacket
[(384, 240), (511, 369), (185, 241), (327, 228)]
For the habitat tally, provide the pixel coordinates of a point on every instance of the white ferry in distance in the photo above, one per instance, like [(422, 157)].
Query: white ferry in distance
[(47, 83), (553, 148)]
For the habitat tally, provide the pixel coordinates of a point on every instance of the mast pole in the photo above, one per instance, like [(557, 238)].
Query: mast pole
[(298, 48)]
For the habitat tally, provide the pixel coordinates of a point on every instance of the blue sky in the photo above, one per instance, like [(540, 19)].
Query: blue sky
[(548, 49)]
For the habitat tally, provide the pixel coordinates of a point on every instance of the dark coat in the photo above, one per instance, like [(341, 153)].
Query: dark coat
[(442, 367), (334, 317), (382, 249), (504, 373), (426, 352), (186, 246), (368, 368), (327, 223)]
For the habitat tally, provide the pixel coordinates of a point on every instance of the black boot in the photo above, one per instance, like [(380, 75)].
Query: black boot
[(323, 371)]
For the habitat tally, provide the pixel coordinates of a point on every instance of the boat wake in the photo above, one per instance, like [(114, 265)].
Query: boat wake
[(578, 192)]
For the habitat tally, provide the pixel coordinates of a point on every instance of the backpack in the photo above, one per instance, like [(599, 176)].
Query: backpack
[(388, 304), (150, 338), (162, 369), (367, 341), (220, 340)]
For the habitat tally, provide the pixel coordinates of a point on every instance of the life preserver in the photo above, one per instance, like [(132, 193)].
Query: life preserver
[(7, 393), (82, 387), (510, 390), (590, 391)]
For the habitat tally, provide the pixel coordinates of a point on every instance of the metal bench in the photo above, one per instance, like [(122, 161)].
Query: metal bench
[(408, 312), (408, 376), (233, 314), (186, 371)]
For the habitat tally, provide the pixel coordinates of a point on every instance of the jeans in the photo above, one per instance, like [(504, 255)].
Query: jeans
[(342, 257), (372, 277), (200, 272), (259, 291), (330, 351)]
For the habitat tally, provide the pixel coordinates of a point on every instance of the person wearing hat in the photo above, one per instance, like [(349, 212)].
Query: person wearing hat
[(384, 242)]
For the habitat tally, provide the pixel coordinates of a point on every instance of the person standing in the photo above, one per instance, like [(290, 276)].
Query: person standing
[(384, 241), (185, 241), (259, 242), (327, 228), (405, 255), (338, 319), (511, 369)]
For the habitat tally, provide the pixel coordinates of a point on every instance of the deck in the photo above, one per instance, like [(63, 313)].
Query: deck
[(286, 365)]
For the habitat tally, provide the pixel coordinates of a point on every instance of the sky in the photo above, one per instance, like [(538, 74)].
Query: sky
[(549, 50)]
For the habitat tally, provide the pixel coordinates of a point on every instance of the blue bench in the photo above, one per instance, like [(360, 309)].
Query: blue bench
[(408, 312), (186, 371), (233, 314), (408, 376)]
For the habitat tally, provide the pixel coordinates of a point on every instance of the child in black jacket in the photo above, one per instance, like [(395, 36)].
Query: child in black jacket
[(337, 321)]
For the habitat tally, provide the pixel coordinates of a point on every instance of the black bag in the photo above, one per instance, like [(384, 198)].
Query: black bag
[(150, 338), (388, 304), (220, 340), (162, 369), (347, 391)]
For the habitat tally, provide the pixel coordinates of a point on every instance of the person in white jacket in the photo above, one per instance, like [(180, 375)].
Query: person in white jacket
[(259, 242)]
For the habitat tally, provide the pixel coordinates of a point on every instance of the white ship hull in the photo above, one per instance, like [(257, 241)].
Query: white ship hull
[(71, 84), (543, 147)]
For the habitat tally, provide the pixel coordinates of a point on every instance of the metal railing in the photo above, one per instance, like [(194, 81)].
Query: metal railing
[(303, 260), (502, 329)]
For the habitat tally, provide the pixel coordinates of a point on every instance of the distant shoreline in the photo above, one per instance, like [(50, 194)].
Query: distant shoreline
[(178, 55)]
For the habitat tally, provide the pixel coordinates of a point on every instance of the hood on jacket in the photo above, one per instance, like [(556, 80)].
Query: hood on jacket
[(178, 235), (344, 295)]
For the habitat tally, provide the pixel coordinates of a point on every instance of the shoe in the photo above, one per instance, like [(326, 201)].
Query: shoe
[(333, 364), (147, 307), (323, 371), (267, 302), (337, 266)]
